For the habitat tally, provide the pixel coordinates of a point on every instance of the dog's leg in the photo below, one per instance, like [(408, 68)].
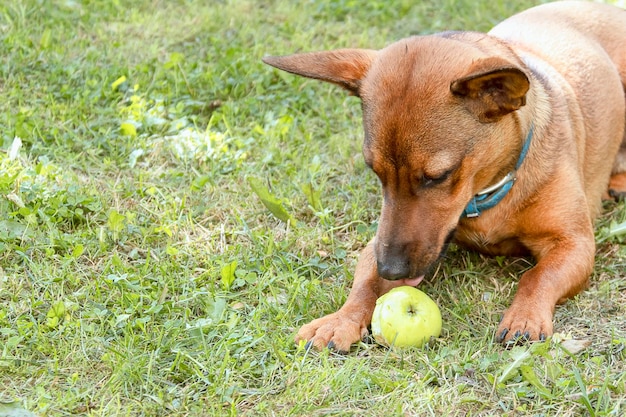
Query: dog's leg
[(564, 263), (349, 324)]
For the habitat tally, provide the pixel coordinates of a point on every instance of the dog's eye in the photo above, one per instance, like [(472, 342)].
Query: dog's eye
[(433, 180)]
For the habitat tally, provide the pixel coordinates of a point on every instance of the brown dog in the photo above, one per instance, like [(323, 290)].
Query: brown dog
[(505, 142)]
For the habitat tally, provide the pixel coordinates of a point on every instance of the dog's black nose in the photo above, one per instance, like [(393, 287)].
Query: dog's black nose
[(394, 269)]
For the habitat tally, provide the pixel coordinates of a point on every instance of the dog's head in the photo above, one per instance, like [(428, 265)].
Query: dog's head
[(439, 116)]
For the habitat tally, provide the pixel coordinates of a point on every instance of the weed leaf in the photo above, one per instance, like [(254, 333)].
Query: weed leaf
[(14, 409), (116, 222), (613, 231), (216, 308), (313, 196), (10, 230), (584, 395), (519, 356), (617, 230), (228, 274), (44, 41), (272, 203), (128, 129), (77, 251), (56, 314), (529, 375)]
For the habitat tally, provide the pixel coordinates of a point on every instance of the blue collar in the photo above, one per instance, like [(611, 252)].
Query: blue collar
[(490, 197)]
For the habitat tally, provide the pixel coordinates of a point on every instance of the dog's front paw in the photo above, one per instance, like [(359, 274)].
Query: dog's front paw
[(336, 331), (525, 324)]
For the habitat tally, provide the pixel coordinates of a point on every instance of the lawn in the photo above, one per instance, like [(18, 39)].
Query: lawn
[(141, 272)]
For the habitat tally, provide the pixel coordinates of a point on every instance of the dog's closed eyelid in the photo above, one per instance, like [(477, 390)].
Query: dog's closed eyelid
[(435, 179)]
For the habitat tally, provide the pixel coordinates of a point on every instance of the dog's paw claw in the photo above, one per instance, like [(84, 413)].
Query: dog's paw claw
[(336, 332), (333, 347), (617, 195), (502, 335), (518, 338), (522, 325), (368, 339)]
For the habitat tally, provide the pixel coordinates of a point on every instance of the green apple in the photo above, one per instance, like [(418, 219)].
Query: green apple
[(404, 317)]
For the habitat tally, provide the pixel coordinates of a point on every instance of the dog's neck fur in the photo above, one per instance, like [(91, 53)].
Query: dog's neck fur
[(533, 118), (491, 196)]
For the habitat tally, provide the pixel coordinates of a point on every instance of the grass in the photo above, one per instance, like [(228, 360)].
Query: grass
[(141, 275)]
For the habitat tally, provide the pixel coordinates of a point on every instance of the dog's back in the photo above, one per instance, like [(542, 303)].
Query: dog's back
[(586, 44)]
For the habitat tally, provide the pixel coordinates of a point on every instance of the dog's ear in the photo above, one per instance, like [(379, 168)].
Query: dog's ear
[(344, 67), (493, 89)]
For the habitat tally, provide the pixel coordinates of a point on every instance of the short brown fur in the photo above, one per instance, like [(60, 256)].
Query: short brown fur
[(446, 116)]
